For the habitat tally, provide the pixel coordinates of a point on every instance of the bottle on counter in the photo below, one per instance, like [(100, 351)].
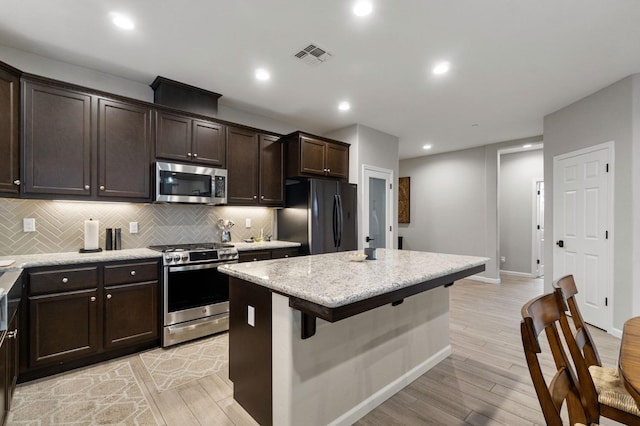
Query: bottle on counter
[(117, 243)]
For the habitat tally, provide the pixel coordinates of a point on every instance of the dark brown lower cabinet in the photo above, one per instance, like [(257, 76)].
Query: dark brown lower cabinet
[(62, 327), (84, 314), (130, 314), (279, 253)]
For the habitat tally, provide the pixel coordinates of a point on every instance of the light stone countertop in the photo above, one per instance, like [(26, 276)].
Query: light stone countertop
[(264, 245), (23, 261), (69, 258), (332, 280)]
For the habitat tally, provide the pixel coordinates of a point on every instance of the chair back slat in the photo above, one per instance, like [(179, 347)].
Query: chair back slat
[(568, 290), (538, 315)]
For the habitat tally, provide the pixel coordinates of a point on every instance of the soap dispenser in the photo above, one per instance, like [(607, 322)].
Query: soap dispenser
[(371, 250)]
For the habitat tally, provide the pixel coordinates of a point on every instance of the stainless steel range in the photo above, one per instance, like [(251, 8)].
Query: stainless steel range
[(195, 294)]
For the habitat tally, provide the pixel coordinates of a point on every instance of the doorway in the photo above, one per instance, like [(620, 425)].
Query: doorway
[(377, 202), (582, 217)]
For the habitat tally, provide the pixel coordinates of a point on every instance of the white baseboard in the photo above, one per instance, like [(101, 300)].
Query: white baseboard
[(484, 279), (517, 274), (391, 389), (615, 332)]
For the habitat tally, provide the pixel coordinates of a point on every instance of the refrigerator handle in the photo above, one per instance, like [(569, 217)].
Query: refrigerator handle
[(340, 221), (335, 221)]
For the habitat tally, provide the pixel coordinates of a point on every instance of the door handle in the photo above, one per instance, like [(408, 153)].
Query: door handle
[(560, 243), (367, 239)]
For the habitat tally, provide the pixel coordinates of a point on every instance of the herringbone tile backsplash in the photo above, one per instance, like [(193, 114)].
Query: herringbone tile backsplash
[(60, 224)]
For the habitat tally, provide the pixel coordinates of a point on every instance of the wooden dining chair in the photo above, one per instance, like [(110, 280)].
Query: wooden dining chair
[(538, 315), (601, 389)]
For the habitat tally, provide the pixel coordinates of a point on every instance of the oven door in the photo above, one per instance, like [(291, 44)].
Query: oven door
[(194, 291)]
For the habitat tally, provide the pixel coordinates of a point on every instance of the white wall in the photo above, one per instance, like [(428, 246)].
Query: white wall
[(45, 67), (518, 172), (454, 202), (607, 115), (373, 148)]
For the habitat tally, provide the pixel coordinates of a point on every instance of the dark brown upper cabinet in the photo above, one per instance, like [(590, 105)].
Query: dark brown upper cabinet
[(9, 131), (57, 140), (255, 168), (124, 146), (182, 138), (312, 156), (80, 145)]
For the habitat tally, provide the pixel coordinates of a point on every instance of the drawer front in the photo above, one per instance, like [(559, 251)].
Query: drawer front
[(63, 280), (130, 273), (285, 252), (251, 256)]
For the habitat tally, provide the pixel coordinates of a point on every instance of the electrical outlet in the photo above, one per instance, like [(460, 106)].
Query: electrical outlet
[(29, 224), (133, 227), (247, 223), (251, 315), (503, 259)]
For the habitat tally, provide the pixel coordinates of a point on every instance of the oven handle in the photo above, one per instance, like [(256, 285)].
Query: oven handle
[(199, 266)]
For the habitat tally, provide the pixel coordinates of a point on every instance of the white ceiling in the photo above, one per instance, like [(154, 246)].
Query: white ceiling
[(513, 61)]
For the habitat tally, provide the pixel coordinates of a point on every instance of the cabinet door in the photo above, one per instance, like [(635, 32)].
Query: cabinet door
[(11, 340), (130, 314), (62, 327), (285, 252), (57, 141), (254, 255), (242, 166), (209, 143), (9, 123), (312, 156), (4, 377), (173, 137), (124, 142), (271, 180), (337, 161)]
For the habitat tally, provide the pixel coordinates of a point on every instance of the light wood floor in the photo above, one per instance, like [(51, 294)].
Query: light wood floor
[(484, 382)]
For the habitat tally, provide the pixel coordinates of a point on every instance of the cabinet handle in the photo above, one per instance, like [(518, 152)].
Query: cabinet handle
[(133, 272), (13, 334), (286, 255), (93, 298), (262, 197), (87, 187), (255, 259), (328, 170), (65, 280), (195, 155), (101, 187), (16, 182), (255, 197), (109, 296), (188, 154)]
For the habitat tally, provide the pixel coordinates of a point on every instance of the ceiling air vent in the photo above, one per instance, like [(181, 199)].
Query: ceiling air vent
[(313, 55)]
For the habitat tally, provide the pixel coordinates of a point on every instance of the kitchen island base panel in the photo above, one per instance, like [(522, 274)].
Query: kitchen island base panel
[(351, 366)]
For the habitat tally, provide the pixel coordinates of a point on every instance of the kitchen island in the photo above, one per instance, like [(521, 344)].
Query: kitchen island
[(324, 340)]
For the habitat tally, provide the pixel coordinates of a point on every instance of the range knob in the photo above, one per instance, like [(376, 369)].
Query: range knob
[(185, 257)]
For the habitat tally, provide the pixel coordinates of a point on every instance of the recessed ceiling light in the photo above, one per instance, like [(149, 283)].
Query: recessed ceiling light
[(441, 68), (362, 8), (122, 21), (262, 74), (527, 145), (427, 146), (344, 106)]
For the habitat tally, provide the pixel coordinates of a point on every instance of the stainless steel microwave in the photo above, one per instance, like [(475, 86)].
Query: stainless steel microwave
[(186, 183)]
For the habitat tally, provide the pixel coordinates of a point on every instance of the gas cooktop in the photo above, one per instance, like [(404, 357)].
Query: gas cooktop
[(168, 248), (184, 254)]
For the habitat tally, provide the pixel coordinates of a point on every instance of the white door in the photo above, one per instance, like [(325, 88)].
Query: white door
[(377, 206), (582, 214), (538, 233)]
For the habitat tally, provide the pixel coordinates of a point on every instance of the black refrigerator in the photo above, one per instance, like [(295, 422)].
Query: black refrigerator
[(321, 215)]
